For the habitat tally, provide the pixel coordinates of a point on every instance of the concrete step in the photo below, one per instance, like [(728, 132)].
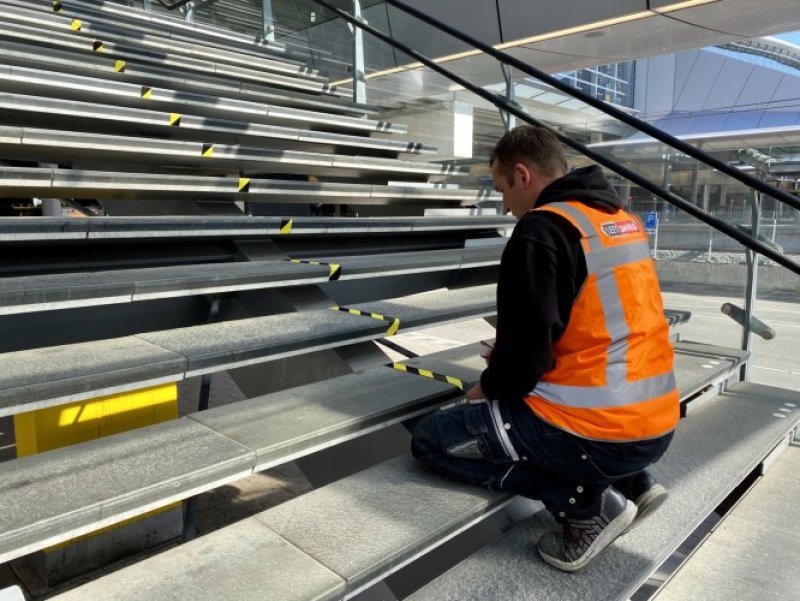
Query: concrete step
[(27, 18), (51, 376), (39, 229), (367, 526), (753, 552), (230, 102), (56, 113), (71, 290), (54, 145), (168, 25), (45, 182), (111, 479), (54, 43)]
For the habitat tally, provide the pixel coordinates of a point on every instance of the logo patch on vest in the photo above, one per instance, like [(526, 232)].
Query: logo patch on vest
[(621, 228)]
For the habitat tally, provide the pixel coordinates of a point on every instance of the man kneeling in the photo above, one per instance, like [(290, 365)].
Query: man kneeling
[(578, 396)]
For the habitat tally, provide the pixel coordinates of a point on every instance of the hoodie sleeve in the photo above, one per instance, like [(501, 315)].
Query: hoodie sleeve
[(541, 272)]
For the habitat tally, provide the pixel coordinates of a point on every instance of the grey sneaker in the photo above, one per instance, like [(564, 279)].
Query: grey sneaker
[(643, 490), (581, 540)]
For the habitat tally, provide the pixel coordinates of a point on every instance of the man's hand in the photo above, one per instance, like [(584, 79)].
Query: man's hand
[(475, 393), (486, 351)]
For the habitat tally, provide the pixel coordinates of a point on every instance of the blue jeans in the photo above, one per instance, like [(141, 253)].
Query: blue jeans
[(505, 446)]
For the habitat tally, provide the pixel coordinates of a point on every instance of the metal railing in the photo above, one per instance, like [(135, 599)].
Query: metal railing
[(730, 230)]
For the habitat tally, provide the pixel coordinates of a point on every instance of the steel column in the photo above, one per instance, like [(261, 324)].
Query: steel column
[(359, 70), (267, 21)]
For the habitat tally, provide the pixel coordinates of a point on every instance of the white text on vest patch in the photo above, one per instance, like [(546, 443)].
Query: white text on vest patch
[(620, 228)]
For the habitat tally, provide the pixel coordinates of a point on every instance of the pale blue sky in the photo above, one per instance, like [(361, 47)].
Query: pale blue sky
[(793, 37)]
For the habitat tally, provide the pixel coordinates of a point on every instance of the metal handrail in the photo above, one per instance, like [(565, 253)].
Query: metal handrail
[(608, 109), (634, 177)]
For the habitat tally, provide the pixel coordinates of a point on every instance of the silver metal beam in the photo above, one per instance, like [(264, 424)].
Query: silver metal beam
[(359, 73), (267, 21)]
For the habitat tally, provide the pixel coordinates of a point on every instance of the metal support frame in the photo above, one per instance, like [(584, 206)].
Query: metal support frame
[(188, 12), (666, 183), (509, 120), (190, 506), (752, 286), (267, 21), (147, 5), (695, 188), (359, 70)]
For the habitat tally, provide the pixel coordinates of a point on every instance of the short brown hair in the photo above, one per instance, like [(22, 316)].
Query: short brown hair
[(537, 146)]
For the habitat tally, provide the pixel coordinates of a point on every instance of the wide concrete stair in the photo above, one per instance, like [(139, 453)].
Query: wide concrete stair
[(99, 107), (228, 170)]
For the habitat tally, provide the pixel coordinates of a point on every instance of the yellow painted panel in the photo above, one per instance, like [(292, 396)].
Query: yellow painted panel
[(55, 427)]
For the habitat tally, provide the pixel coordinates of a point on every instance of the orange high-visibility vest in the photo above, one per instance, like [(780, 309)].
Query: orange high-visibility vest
[(613, 377)]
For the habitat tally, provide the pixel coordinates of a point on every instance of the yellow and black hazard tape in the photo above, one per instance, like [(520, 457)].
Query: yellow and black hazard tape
[(76, 25), (175, 119), (97, 46), (286, 226), (426, 373), (119, 67), (334, 269), (146, 92), (57, 6), (244, 184), (208, 150), (395, 321)]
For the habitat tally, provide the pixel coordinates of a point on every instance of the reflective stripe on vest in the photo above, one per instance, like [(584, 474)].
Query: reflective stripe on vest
[(601, 261)]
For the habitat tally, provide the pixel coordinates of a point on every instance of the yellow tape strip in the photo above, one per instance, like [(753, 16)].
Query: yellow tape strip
[(147, 93), (286, 226), (57, 6), (119, 66), (97, 46), (175, 119), (208, 150), (76, 25), (426, 373), (244, 184), (334, 270), (393, 328)]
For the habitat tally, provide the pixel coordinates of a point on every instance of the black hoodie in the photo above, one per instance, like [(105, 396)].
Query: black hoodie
[(541, 273)]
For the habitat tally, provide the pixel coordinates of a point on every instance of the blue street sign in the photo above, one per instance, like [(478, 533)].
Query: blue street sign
[(650, 222)]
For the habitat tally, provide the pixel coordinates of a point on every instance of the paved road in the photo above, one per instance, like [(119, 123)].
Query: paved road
[(774, 361)]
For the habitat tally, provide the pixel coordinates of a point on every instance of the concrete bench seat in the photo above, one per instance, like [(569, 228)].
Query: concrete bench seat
[(368, 525), (37, 111), (35, 229), (57, 42), (79, 183), (117, 39), (50, 376), (71, 290), (234, 441), (35, 143), (284, 108), (167, 25), (107, 480)]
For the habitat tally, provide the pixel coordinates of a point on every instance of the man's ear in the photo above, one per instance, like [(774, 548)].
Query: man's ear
[(522, 171)]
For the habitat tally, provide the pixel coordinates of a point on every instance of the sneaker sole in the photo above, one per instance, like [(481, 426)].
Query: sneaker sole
[(610, 533), (647, 503)]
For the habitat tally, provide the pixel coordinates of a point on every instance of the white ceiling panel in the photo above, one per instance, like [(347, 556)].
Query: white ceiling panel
[(523, 18), (744, 18)]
